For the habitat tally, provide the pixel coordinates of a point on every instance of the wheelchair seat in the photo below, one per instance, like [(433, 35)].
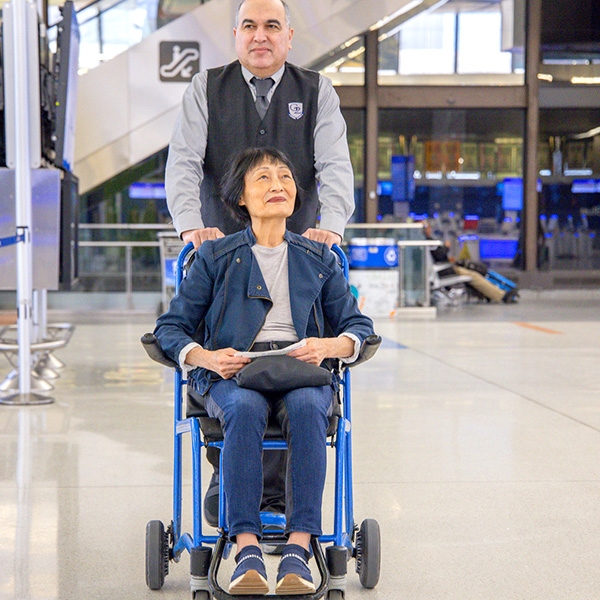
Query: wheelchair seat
[(211, 427)]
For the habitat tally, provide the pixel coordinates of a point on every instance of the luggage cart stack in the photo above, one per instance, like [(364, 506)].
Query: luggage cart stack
[(170, 247)]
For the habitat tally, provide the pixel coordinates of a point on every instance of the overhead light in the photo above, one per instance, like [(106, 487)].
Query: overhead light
[(545, 77), (356, 69), (566, 61), (586, 134), (355, 53), (586, 80), (349, 42), (578, 172), (464, 175)]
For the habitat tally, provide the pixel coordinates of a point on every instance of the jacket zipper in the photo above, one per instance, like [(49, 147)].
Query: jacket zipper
[(317, 321), (261, 325)]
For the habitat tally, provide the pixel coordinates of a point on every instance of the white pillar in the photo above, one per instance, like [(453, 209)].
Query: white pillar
[(23, 190)]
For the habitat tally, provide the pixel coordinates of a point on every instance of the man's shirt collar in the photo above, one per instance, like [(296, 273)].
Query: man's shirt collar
[(276, 76)]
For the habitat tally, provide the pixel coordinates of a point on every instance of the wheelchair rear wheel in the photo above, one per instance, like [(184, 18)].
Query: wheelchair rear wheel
[(157, 554), (368, 553)]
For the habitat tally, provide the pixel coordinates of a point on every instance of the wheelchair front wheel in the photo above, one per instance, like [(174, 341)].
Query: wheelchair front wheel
[(368, 553), (335, 595), (157, 555)]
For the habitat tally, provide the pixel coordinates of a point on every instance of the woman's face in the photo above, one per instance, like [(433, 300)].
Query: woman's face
[(269, 191)]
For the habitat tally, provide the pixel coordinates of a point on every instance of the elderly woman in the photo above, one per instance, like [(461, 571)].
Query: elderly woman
[(265, 287)]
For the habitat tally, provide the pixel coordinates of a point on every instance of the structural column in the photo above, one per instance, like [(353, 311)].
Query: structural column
[(533, 25), (371, 125), (20, 37)]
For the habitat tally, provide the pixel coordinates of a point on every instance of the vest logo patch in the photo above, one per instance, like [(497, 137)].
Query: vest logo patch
[(296, 110), (179, 61)]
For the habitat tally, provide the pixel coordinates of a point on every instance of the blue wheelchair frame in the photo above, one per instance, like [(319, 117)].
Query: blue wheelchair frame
[(345, 532)]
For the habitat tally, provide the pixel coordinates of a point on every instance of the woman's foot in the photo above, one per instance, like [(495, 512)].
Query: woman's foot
[(293, 575), (250, 574)]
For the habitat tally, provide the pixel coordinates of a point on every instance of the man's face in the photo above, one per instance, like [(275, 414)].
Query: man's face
[(262, 36)]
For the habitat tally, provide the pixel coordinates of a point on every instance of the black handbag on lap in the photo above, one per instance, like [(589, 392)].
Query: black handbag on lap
[(280, 374)]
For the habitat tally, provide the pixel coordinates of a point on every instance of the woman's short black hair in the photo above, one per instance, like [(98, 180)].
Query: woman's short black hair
[(232, 184)]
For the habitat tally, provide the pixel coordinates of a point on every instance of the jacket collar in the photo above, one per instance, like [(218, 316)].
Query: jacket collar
[(246, 238)]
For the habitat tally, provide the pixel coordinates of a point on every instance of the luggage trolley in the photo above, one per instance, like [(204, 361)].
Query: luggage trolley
[(170, 248), (347, 540)]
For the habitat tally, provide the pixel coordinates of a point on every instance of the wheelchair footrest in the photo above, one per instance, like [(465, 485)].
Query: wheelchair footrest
[(220, 594)]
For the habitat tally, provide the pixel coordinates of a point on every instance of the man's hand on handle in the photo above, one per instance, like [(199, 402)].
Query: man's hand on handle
[(199, 236), (324, 236)]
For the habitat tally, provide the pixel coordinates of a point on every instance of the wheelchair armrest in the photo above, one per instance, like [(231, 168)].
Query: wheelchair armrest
[(369, 346), (155, 352)]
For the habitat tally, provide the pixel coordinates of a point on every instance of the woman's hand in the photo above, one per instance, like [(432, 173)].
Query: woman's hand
[(223, 361), (316, 350)]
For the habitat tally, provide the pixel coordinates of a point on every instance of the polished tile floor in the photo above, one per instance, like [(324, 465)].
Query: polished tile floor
[(476, 447)]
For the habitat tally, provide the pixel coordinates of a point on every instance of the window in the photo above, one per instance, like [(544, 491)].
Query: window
[(479, 44)]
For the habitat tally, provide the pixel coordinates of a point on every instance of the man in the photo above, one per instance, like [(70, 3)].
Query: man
[(220, 117)]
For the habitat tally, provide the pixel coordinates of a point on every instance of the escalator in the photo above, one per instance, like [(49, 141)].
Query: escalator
[(127, 106)]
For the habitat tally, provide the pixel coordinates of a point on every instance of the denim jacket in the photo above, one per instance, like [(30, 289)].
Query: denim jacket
[(223, 301)]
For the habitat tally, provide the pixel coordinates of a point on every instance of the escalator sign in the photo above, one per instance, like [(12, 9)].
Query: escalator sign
[(179, 61)]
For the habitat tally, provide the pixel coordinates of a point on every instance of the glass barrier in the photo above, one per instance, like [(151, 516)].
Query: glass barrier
[(460, 169), (569, 199), (432, 43), (120, 258), (389, 268), (414, 266), (109, 27)]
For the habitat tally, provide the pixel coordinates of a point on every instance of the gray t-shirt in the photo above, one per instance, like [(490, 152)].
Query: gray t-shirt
[(273, 263)]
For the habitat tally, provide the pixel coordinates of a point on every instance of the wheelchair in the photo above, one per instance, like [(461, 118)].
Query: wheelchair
[(347, 540)]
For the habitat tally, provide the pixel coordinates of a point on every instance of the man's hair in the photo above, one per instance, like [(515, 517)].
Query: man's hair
[(233, 182), (288, 19)]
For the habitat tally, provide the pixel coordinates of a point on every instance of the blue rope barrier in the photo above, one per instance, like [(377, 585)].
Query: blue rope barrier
[(13, 239)]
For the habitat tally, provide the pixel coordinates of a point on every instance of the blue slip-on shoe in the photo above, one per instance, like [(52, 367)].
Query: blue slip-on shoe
[(293, 575), (250, 574)]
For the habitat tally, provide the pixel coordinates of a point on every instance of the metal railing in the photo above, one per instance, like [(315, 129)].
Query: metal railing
[(111, 265), (103, 271)]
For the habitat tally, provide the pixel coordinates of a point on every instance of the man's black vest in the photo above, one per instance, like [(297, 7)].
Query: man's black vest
[(234, 124)]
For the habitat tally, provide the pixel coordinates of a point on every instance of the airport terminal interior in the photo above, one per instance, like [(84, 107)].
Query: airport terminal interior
[(475, 427)]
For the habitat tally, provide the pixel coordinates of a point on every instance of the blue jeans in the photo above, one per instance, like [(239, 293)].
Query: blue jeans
[(244, 414)]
